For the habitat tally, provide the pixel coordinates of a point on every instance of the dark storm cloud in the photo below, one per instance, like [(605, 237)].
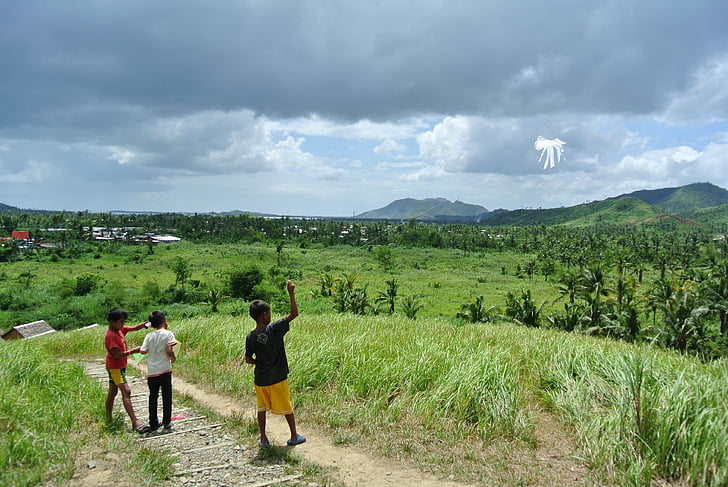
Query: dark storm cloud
[(163, 94), (352, 60)]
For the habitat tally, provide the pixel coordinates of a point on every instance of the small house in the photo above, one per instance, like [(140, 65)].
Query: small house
[(28, 330), (21, 235)]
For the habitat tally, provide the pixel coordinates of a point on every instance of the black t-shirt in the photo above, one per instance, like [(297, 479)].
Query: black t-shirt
[(266, 346)]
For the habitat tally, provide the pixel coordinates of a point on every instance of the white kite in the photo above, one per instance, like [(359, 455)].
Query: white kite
[(551, 148)]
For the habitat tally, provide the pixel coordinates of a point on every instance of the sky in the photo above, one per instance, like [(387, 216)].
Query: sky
[(334, 108)]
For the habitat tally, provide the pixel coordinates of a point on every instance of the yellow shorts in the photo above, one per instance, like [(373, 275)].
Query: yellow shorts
[(117, 376), (275, 398)]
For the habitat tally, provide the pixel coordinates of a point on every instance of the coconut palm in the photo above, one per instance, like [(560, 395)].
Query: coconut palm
[(591, 290), (715, 292), (477, 312), (389, 297), (682, 316)]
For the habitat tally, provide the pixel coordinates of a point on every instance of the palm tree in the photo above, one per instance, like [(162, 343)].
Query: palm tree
[(523, 311), (592, 287), (715, 292), (327, 283), (568, 284), (389, 296), (411, 305), (682, 316), (476, 312), (214, 298)]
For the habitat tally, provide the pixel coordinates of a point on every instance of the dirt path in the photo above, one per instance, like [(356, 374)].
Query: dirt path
[(351, 467)]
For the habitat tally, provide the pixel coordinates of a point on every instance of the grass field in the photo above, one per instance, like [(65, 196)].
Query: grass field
[(640, 415), (456, 398), (442, 280)]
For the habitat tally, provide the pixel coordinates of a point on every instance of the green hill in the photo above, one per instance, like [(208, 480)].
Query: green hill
[(715, 217), (429, 208), (623, 210), (677, 201)]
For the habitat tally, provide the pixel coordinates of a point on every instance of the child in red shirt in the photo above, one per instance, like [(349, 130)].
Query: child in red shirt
[(116, 361)]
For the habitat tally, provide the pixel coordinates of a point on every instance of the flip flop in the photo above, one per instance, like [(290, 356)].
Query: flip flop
[(299, 439), (263, 445), (142, 428)]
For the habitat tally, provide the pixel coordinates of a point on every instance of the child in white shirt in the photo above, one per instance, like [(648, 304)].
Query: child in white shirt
[(159, 344)]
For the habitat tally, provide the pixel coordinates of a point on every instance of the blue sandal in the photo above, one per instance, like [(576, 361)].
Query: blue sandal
[(299, 439)]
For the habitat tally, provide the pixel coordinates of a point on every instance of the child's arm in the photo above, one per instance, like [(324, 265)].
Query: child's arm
[(294, 306), (117, 354), (146, 324), (170, 352)]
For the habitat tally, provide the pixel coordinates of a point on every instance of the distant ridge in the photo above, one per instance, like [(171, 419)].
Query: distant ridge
[(673, 201), (426, 209), (693, 204), (4, 207)]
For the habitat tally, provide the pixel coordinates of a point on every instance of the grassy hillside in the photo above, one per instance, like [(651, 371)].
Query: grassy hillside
[(684, 198), (622, 210), (715, 217), (458, 400)]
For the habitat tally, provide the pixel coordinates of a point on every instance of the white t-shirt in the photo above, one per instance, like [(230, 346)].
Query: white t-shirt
[(155, 344)]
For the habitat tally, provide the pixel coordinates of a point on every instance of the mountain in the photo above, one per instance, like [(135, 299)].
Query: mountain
[(693, 204), (676, 201), (626, 209), (4, 207), (427, 209)]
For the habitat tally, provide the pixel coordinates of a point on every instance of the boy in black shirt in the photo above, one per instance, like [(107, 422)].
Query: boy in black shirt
[(265, 349)]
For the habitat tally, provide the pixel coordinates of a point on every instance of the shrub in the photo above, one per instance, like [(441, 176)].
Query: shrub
[(86, 283), (242, 282)]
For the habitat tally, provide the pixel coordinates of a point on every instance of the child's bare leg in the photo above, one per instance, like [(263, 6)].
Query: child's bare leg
[(261, 427), (110, 397), (292, 425), (126, 399)]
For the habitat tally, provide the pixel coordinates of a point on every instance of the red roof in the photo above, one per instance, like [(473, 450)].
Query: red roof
[(21, 235)]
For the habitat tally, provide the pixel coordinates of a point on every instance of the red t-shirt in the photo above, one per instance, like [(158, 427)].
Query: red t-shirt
[(115, 339)]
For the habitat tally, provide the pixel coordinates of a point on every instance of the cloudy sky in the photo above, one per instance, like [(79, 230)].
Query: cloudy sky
[(333, 108)]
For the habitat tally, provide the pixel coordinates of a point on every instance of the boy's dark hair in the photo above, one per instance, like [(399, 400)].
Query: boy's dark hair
[(257, 308), (156, 318), (115, 314)]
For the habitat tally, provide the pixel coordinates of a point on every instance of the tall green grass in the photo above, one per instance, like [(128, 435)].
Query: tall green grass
[(640, 415), (46, 409)]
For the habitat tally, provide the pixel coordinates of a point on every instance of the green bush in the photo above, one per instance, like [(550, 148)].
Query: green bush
[(242, 283)]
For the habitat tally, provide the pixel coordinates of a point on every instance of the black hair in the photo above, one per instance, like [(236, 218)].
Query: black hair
[(156, 318), (257, 308), (115, 314)]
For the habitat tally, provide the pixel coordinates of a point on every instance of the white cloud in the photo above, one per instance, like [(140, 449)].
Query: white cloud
[(389, 147), (445, 148)]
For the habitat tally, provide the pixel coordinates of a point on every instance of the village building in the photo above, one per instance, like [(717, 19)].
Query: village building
[(28, 330)]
